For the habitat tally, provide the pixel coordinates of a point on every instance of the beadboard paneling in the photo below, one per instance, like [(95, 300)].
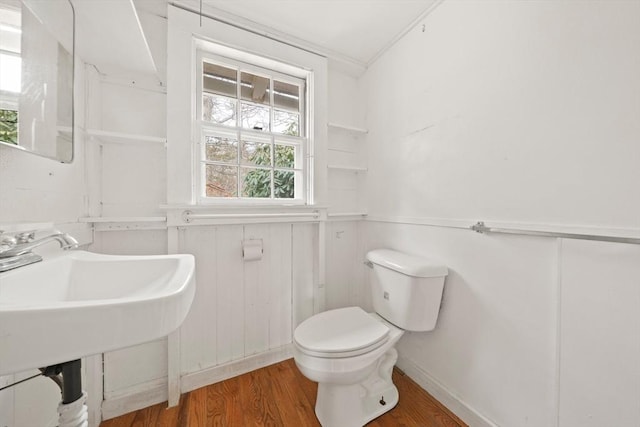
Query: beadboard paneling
[(243, 308)]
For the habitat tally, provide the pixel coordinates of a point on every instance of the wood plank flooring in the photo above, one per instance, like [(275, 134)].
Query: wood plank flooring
[(279, 395)]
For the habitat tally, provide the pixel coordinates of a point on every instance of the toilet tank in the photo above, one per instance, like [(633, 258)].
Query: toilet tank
[(407, 289)]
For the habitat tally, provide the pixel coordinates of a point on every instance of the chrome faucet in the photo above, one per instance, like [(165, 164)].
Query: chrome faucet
[(15, 251)]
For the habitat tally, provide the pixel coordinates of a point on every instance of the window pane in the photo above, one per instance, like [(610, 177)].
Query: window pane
[(220, 80), (255, 117), (283, 184), (221, 181), (286, 123), (256, 153), (221, 149), (254, 88), (10, 73), (219, 109), (285, 156), (256, 182), (286, 95)]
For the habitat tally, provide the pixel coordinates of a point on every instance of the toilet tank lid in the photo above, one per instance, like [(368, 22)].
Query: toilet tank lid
[(410, 265)]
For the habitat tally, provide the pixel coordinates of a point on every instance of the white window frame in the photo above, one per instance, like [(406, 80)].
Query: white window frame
[(207, 51)]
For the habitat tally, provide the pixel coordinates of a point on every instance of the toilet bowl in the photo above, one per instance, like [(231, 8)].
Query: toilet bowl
[(350, 353), (353, 371)]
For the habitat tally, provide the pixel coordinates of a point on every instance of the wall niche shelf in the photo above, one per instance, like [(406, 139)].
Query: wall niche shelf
[(347, 128), (348, 168), (105, 136)]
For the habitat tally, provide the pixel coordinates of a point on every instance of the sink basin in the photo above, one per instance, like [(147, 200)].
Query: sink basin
[(81, 303)]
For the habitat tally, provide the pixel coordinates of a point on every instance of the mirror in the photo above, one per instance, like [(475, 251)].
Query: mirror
[(36, 77)]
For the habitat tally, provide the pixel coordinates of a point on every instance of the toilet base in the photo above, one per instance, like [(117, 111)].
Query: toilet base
[(354, 405)]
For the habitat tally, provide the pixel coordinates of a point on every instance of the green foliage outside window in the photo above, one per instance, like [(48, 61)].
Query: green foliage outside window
[(9, 126), (257, 183)]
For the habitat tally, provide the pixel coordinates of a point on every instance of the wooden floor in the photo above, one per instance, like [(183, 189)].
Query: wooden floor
[(278, 395)]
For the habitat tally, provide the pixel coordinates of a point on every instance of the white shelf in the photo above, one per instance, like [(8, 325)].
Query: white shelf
[(347, 215), (105, 219), (347, 168), (126, 223), (347, 128), (123, 138)]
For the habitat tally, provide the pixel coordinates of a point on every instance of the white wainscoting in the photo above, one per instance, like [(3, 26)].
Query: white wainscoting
[(242, 316), (246, 308), (532, 330)]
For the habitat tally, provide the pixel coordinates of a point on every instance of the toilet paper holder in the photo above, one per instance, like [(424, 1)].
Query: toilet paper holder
[(252, 249)]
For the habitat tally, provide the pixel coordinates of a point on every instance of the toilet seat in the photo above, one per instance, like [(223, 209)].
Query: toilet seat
[(343, 332)]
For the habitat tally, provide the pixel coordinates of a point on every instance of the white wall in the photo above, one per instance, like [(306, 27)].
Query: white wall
[(516, 112), (510, 110)]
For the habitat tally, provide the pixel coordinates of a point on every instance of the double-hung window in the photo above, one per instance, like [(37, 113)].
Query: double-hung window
[(252, 130)]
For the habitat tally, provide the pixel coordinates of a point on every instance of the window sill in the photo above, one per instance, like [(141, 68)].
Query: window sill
[(190, 215)]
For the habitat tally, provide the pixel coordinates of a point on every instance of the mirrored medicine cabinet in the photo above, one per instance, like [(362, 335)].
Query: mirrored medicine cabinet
[(36, 77)]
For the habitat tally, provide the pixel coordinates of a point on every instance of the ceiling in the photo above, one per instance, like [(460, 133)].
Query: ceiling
[(356, 30), (111, 33)]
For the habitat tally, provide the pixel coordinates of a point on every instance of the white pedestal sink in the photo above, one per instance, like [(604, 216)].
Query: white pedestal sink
[(81, 303)]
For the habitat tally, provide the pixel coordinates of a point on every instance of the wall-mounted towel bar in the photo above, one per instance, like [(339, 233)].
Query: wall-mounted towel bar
[(480, 227)]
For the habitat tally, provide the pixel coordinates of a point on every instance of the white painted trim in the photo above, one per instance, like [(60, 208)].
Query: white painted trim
[(449, 399), (126, 223), (558, 333), (467, 223), (319, 296), (173, 368), (211, 215), (105, 219), (437, 222), (94, 388), (21, 227), (146, 82), (241, 208), (129, 226), (346, 216), (144, 37), (134, 398), (173, 340), (232, 369)]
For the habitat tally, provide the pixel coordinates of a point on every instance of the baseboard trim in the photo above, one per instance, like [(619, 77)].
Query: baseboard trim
[(156, 391), (135, 398), (442, 394), (232, 369)]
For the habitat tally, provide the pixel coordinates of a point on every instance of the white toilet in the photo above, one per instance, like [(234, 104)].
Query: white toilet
[(351, 354)]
